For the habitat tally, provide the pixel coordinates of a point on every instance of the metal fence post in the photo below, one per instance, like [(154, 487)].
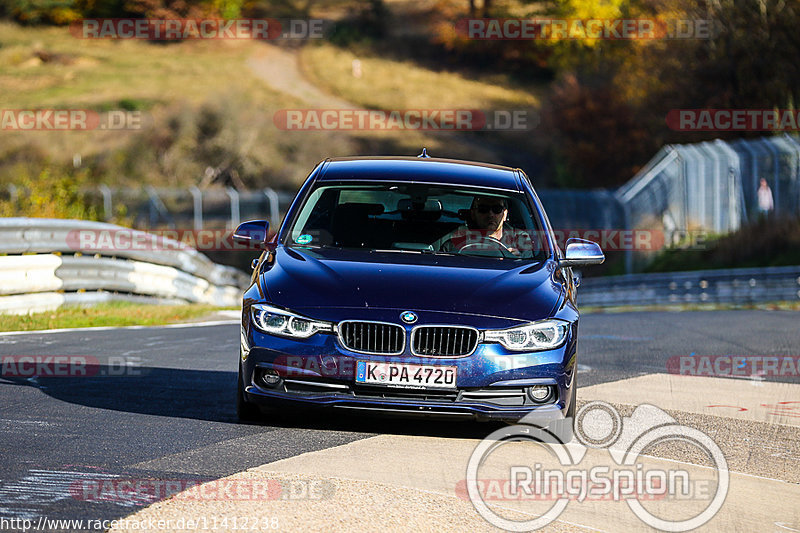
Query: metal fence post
[(753, 172), (197, 206), (700, 183), (272, 197), (626, 215), (106, 192), (717, 209), (157, 208), (796, 144), (735, 197), (233, 194)]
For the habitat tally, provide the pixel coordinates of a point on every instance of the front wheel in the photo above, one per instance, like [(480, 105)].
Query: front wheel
[(245, 411)]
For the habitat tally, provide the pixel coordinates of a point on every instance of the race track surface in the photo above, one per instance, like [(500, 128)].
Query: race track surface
[(169, 415)]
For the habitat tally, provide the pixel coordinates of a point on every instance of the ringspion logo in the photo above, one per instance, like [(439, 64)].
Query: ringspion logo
[(547, 476)]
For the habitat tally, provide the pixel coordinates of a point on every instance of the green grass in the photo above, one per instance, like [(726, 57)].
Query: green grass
[(113, 314), (173, 85), (389, 84), (95, 72), (765, 243), (170, 85)]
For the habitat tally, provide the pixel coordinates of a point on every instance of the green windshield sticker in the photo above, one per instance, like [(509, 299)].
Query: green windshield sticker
[(303, 239)]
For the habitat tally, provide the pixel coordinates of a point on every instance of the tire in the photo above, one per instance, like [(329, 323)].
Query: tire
[(245, 411), (564, 429)]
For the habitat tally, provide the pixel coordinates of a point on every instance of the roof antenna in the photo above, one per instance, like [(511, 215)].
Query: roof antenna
[(424, 154)]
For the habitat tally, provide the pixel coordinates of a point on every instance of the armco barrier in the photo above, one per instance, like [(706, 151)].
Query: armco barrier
[(47, 235), (47, 301), (739, 285), (49, 275)]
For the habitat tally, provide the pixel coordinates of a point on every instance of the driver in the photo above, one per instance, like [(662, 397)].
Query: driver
[(486, 223)]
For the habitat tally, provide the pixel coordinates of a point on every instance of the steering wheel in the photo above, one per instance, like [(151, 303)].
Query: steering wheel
[(505, 250)]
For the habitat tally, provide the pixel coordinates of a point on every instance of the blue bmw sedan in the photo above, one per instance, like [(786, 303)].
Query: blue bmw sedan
[(412, 285)]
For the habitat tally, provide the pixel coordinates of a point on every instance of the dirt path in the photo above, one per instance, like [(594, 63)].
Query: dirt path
[(279, 69)]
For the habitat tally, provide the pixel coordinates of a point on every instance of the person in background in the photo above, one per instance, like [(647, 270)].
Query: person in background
[(765, 202)]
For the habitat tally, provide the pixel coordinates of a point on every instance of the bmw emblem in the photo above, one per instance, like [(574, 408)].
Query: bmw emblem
[(408, 317)]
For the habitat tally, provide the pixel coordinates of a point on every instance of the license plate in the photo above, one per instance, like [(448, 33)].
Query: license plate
[(406, 375)]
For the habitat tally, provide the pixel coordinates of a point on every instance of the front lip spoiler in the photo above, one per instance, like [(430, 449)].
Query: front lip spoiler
[(389, 410), (470, 409)]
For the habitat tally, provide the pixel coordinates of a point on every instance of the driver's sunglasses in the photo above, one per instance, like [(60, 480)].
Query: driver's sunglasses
[(496, 208)]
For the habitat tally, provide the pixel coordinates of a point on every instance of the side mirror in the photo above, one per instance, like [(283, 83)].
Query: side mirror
[(582, 253), (252, 233)]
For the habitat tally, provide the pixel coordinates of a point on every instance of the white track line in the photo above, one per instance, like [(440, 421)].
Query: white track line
[(109, 328)]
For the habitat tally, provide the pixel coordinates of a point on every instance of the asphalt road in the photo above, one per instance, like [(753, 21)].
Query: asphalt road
[(622, 345), (170, 413)]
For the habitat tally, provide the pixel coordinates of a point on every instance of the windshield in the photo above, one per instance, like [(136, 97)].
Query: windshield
[(420, 219)]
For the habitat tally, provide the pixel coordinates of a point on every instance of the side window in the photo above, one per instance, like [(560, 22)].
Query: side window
[(316, 221)]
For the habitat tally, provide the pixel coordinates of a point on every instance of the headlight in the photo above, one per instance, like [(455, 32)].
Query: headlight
[(543, 335), (279, 322)]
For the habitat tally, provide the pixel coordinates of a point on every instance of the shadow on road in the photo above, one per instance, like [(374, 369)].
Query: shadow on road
[(210, 395)]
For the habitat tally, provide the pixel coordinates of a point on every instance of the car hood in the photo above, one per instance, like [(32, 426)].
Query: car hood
[(313, 281)]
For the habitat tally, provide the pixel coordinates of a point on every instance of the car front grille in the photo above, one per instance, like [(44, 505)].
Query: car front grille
[(443, 341), (372, 337)]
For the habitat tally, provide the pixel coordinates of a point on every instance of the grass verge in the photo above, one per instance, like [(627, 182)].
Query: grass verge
[(114, 314), (767, 242), (107, 74), (390, 84), (199, 104)]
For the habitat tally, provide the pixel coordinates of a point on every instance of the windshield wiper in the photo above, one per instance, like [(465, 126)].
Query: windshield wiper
[(397, 250), (315, 246), (439, 252)]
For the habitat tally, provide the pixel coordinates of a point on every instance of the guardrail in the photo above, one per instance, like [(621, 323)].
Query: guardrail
[(44, 268), (192, 207), (739, 285)]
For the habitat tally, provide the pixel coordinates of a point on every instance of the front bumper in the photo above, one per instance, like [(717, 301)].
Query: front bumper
[(500, 403), (491, 383)]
